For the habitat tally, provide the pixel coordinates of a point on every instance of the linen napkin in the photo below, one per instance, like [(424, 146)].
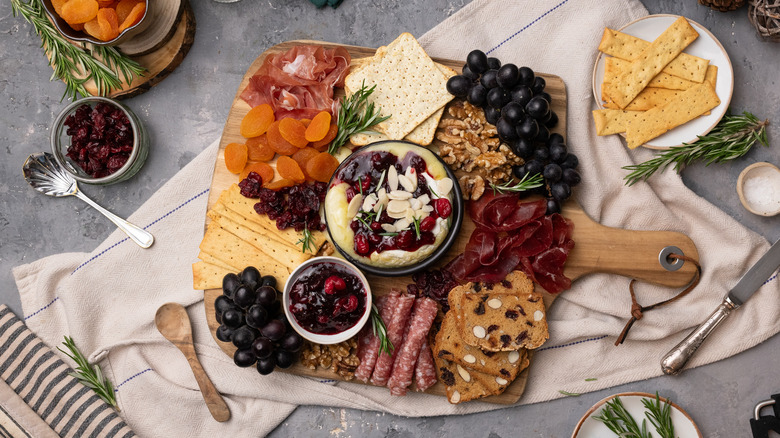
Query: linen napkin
[(107, 299)]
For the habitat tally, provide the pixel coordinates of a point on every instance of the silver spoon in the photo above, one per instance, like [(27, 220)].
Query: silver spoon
[(45, 175)]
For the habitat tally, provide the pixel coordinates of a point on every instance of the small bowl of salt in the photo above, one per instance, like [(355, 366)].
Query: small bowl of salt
[(758, 187)]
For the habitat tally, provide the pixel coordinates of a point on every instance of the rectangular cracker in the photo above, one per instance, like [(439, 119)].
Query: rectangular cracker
[(615, 67), (423, 134), (652, 97), (288, 256), (409, 87), (651, 61), (208, 258), (690, 104), (613, 121), (235, 252), (207, 276), (628, 47)]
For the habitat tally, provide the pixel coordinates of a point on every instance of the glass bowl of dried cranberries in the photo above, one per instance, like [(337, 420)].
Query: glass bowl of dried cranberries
[(99, 141)]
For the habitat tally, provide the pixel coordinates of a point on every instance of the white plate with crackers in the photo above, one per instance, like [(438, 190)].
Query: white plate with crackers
[(708, 63), (589, 427)]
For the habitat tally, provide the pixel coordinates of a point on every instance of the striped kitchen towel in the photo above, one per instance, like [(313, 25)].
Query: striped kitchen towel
[(40, 379)]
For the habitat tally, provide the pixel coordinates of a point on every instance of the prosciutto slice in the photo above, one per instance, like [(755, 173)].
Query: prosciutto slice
[(299, 83)]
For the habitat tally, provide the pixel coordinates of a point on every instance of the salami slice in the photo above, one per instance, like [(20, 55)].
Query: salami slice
[(403, 369), (395, 333), (425, 369), (368, 345)]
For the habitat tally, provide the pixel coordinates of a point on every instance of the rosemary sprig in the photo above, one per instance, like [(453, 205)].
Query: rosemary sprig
[(731, 138), (660, 416), (380, 331), (90, 376), (355, 115), (74, 64), (306, 240), (528, 182), (617, 419), (417, 227)]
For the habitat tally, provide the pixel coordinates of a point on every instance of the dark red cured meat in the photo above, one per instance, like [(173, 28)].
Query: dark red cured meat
[(424, 313), (499, 213), (548, 269), (368, 344), (395, 333), (562, 229), (299, 83), (425, 369)]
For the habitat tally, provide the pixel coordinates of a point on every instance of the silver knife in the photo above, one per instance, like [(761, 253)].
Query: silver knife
[(675, 360)]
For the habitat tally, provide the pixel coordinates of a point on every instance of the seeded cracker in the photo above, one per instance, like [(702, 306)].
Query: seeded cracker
[(689, 105), (409, 86), (651, 61), (422, 134), (627, 47)]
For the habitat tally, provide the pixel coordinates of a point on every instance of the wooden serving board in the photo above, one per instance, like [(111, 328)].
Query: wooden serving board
[(597, 248)]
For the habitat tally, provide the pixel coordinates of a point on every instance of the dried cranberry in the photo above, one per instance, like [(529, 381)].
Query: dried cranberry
[(361, 244), (334, 283), (428, 224), (443, 207), (376, 226)]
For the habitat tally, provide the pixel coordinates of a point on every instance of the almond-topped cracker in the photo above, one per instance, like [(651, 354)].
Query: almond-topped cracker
[(458, 389), (409, 87), (628, 47), (687, 106), (651, 61), (423, 134), (449, 345), (500, 317)]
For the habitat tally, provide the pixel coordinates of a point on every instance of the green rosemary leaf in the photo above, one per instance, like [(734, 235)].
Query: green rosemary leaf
[(660, 416), (90, 376), (732, 138), (591, 379), (380, 331), (356, 115), (617, 419), (570, 394), (306, 240), (528, 182)]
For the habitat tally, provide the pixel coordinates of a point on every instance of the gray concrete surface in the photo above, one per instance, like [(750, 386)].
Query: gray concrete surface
[(720, 397)]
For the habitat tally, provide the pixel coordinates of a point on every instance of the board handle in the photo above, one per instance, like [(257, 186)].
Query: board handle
[(642, 255)]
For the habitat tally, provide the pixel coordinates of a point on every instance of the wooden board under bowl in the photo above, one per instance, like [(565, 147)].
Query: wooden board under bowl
[(597, 248)]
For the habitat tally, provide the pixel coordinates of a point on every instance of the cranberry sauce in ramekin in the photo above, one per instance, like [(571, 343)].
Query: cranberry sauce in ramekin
[(326, 298)]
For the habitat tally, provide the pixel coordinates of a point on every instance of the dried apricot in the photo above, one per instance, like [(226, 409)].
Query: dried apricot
[(78, 27), (306, 122), (322, 166), (135, 15), (79, 11), (235, 157), (323, 144), (257, 121), (57, 4), (277, 142), (259, 149), (289, 169), (282, 183), (124, 7), (294, 132), (319, 127), (105, 3), (303, 156), (265, 171)]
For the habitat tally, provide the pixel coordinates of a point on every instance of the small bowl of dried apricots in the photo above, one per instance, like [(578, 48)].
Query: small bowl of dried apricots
[(100, 22)]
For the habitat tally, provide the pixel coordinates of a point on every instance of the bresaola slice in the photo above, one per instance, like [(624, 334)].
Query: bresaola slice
[(515, 235)]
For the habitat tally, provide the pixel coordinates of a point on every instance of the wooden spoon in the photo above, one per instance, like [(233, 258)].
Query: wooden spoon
[(174, 323)]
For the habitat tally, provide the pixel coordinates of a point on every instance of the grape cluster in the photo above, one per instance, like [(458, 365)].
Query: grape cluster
[(251, 317), (515, 102)]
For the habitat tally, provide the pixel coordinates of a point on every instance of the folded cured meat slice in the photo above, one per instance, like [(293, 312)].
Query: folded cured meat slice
[(424, 312), (425, 369), (395, 334), (368, 344), (299, 83)]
